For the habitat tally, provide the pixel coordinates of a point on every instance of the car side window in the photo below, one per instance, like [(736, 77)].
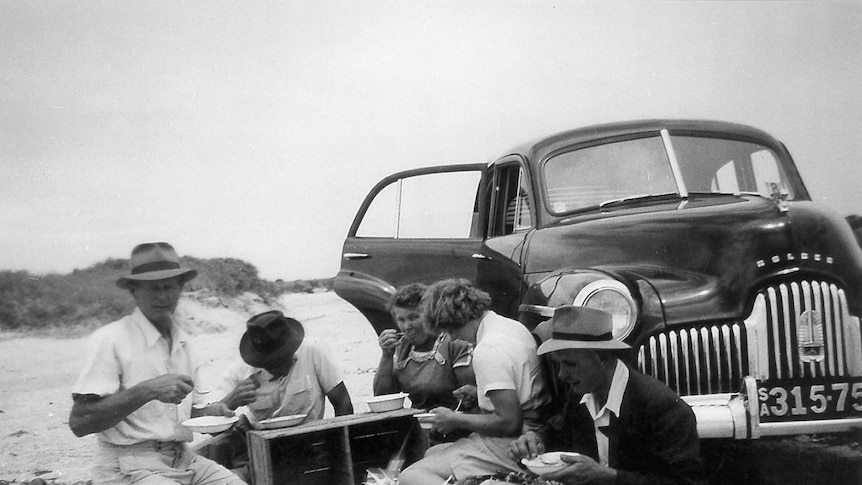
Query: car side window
[(432, 205), (512, 210)]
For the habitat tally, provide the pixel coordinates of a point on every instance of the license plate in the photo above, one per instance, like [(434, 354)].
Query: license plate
[(805, 400)]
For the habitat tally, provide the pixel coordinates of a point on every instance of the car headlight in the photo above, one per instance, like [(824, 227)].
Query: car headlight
[(613, 297)]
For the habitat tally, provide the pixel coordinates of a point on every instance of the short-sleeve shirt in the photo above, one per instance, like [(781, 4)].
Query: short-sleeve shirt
[(127, 352), (429, 377), (505, 359), (302, 391)]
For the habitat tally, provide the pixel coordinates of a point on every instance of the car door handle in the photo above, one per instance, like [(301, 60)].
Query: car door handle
[(356, 256), (481, 256)]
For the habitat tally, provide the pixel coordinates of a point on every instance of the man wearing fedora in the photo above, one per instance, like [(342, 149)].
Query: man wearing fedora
[(628, 427), (135, 388), (282, 374)]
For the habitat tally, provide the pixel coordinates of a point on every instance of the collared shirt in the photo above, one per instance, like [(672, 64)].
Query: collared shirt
[(302, 391), (602, 417), (127, 352)]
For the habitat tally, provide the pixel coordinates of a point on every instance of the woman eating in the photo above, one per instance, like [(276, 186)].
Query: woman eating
[(427, 366)]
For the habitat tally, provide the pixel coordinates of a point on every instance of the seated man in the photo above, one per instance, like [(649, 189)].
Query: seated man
[(628, 427), (135, 388), (283, 374)]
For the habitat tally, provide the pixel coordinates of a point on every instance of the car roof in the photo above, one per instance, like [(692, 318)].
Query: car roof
[(539, 148)]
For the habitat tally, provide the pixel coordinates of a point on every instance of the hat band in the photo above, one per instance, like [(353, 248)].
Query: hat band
[(582, 336), (155, 266)]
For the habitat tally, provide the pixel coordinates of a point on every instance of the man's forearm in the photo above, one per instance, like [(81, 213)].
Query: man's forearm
[(92, 414)]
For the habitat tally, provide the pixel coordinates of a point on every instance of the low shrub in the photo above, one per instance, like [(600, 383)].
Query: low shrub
[(88, 297)]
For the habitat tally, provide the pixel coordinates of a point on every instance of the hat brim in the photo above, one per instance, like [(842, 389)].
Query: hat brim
[(256, 358), (187, 273), (553, 345)]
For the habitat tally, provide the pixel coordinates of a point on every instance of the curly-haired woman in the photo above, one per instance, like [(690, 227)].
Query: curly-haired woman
[(510, 386)]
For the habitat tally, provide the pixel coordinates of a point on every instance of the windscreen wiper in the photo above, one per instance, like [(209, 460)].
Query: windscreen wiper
[(638, 198)]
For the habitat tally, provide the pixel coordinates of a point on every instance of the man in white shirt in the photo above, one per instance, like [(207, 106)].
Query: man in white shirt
[(135, 388), (627, 427)]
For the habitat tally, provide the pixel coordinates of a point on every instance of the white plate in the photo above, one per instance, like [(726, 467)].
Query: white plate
[(282, 421), (210, 424), (547, 462)]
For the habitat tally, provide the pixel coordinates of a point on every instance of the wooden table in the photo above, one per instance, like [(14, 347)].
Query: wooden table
[(333, 451)]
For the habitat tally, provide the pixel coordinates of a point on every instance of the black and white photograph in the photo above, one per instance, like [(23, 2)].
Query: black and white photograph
[(431, 242)]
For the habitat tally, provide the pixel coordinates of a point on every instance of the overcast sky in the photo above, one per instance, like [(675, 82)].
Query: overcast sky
[(254, 129)]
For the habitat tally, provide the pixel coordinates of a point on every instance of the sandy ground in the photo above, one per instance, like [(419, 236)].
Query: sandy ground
[(37, 374)]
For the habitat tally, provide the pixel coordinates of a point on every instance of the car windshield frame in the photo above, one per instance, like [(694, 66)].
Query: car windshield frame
[(656, 165)]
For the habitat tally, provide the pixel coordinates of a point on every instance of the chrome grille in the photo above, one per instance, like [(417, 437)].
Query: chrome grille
[(705, 360), (795, 330), (805, 330)]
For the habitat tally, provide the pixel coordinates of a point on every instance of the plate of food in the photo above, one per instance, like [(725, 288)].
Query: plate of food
[(210, 424), (547, 462), (282, 421)]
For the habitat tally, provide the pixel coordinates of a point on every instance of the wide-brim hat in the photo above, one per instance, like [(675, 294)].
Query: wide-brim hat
[(270, 338), (152, 262), (576, 327)]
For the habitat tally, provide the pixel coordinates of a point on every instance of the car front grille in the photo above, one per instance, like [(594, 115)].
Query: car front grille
[(795, 330)]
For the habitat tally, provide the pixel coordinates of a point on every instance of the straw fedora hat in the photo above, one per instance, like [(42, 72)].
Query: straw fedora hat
[(270, 338), (576, 327), (152, 262)]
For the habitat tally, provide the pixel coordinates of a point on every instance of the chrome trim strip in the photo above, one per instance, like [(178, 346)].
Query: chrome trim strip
[(653, 356), (737, 340), (842, 317), (704, 335), (854, 334), (695, 344), (674, 352), (662, 341), (716, 351), (786, 318), (757, 337), (545, 311), (805, 427), (686, 357)]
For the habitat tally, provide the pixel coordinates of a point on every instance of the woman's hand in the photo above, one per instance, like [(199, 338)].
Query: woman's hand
[(388, 340), (467, 395)]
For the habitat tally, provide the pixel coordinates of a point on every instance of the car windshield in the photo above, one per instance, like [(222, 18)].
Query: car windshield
[(640, 169)]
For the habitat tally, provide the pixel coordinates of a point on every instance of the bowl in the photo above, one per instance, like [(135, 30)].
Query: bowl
[(210, 424), (282, 421), (423, 420), (386, 402), (547, 462)]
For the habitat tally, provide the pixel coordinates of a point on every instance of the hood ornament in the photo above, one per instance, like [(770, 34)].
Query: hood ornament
[(778, 196)]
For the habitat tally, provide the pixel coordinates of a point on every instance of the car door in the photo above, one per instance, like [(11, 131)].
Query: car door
[(417, 226)]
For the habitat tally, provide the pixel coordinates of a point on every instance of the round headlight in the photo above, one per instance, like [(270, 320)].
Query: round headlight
[(613, 297)]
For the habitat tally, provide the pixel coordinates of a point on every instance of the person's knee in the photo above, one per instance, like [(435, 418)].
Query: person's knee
[(421, 473)]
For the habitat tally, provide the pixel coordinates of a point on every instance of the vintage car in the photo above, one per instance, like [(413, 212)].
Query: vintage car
[(698, 236)]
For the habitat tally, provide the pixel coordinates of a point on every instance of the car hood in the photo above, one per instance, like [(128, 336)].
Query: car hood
[(704, 256)]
